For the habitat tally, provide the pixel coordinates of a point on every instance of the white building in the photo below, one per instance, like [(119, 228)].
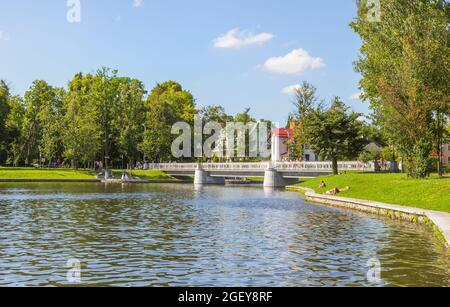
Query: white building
[(281, 138)]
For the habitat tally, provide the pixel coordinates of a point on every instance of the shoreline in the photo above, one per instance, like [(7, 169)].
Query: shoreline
[(439, 221)]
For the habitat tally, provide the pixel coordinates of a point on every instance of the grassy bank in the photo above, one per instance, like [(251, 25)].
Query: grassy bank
[(145, 175), (432, 193), (33, 173)]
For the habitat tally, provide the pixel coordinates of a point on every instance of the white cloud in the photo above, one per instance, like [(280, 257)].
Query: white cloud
[(293, 63), (237, 39), (356, 96), (138, 3), (290, 90)]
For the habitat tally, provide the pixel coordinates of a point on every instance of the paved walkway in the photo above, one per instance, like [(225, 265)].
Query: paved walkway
[(440, 219)]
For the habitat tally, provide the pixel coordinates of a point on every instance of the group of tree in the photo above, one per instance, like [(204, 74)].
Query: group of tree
[(405, 71), (332, 131), (98, 117)]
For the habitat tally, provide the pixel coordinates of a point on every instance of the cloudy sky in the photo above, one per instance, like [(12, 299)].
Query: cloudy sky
[(240, 54)]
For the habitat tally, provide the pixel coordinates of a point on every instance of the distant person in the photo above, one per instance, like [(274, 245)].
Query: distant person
[(322, 185), (336, 191), (333, 191)]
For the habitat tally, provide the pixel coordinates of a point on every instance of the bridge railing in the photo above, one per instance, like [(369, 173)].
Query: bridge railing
[(172, 166), (323, 166), (281, 166)]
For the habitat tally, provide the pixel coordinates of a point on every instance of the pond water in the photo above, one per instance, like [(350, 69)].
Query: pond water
[(180, 235)]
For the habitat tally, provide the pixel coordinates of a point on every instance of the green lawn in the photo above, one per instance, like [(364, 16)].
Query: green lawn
[(432, 193), (32, 173), (145, 175), (255, 179)]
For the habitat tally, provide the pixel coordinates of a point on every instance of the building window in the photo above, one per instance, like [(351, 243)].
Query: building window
[(308, 158)]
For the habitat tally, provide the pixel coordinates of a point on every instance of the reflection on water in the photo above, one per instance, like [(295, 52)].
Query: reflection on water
[(181, 235)]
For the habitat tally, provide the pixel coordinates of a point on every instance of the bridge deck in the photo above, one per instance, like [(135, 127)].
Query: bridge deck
[(287, 170)]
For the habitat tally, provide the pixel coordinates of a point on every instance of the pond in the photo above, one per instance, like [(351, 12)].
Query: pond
[(181, 235)]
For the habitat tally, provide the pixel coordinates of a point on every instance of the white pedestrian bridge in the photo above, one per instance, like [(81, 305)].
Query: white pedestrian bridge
[(277, 174)]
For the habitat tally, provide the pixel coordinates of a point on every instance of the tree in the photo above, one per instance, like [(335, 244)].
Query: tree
[(82, 133), (14, 124), (167, 104), (405, 67), (104, 96), (130, 118), (244, 119), (215, 113), (334, 133), (39, 100), (4, 112), (51, 118), (305, 100)]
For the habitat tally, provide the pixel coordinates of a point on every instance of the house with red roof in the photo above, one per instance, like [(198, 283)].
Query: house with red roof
[(281, 138)]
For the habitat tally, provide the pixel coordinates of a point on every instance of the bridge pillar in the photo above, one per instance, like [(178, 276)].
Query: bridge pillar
[(273, 179), (202, 177)]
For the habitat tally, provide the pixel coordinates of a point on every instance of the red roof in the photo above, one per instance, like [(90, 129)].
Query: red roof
[(283, 132)]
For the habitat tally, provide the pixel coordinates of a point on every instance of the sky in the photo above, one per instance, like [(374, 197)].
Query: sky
[(236, 53)]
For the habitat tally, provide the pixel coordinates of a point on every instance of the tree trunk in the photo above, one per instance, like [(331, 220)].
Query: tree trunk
[(335, 166)]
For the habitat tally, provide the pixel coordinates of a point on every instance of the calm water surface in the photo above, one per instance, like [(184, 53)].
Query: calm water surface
[(179, 235)]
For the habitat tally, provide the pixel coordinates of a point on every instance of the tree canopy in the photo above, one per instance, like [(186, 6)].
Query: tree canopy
[(404, 64), (99, 116), (334, 133)]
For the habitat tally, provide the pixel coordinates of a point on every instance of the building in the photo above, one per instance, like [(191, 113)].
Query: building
[(281, 138), (280, 144)]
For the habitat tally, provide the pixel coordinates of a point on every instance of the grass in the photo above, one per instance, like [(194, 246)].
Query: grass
[(255, 179), (145, 174), (431, 194), (33, 173)]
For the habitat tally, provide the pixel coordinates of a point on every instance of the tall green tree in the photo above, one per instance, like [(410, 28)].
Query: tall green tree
[(104, 95), (51, 118), (39, 99), (14, 124), (82, 133), (405, 67), (130, 118), (4, 112), (334, 133), (167, 104), (305, 100)]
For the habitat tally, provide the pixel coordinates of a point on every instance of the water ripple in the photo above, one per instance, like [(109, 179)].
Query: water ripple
[(161, 235)]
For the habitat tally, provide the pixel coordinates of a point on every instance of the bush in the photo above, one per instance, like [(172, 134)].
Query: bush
[(418, 161)]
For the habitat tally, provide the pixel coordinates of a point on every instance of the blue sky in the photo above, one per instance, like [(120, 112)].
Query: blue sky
[(238, 53)]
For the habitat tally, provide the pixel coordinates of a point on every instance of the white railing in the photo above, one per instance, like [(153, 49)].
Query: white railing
[(281, 166), (324, 166)]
